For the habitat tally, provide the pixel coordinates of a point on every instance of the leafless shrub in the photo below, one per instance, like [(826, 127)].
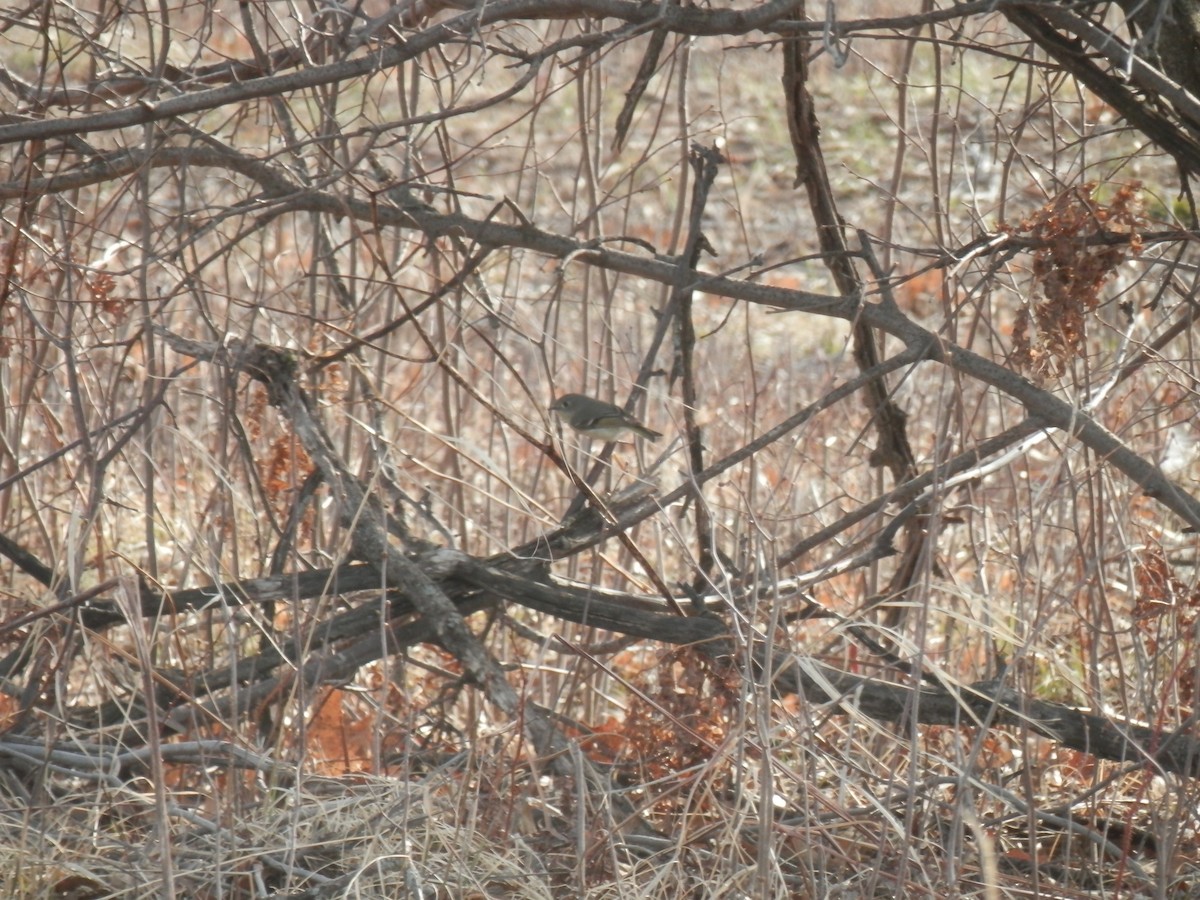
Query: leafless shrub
[(308, 596)]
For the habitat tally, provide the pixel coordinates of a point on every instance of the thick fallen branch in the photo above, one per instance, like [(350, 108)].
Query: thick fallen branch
[(473, 584)]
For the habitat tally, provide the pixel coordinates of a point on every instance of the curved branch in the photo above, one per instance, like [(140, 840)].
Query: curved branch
[(1051, 411)]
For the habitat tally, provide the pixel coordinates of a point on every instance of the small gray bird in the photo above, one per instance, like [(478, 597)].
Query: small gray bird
[(598, 419)]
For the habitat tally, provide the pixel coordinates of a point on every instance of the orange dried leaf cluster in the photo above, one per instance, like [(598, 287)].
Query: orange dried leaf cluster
[(100, 287), (674, 725), (1160, 594), (1159, 591), (339, 743), (1070, 272), (286, 466)]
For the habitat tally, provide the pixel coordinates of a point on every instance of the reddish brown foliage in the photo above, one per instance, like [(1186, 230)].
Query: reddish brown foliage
[(1071, 271)]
